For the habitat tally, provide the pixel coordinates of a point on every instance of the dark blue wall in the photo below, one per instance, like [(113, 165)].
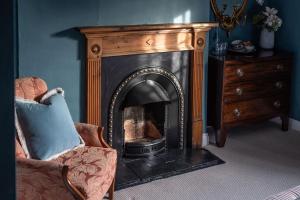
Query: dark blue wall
[(288, 38), (50, 48), (7, 65)]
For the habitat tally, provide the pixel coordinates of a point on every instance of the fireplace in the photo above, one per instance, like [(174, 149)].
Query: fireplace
[(144, 86), (123, 41)]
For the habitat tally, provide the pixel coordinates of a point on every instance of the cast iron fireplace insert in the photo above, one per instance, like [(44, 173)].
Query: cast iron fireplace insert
[(144, 119), (146, 113)]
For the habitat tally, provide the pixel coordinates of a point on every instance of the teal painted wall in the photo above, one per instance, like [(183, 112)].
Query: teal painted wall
[(50, 48)]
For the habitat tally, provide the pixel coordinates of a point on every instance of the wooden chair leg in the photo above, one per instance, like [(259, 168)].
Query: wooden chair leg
[(111, 190)]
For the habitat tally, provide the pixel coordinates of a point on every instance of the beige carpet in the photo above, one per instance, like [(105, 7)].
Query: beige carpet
[(260, 161)]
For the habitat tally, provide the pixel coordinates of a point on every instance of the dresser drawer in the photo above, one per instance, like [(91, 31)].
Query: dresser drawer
[(255, 71), (247, 110), (254, 89)]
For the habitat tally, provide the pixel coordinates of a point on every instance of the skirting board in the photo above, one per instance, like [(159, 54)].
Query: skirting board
[(205, 139), (293, 124)]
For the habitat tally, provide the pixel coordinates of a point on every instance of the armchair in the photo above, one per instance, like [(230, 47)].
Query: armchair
[(86, 173)]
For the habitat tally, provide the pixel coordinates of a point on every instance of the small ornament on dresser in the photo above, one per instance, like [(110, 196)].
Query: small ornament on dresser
[(242, 47), (269, 22)]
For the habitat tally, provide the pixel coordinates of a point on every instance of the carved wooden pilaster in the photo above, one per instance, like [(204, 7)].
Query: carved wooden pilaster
[(196, 87), (94, 52)]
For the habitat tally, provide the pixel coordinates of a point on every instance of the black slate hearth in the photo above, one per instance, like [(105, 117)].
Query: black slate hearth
[(131, 172)]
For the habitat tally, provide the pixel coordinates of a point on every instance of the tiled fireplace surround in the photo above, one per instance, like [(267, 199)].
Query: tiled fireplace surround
[(147, 80)]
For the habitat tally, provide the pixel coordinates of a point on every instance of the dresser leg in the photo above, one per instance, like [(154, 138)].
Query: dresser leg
[(221, 136), (285, 122)]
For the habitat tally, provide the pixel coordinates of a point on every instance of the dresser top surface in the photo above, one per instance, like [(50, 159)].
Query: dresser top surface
[(261, 55)]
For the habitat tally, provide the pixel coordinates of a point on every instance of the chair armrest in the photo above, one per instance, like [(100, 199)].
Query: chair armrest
[(92, 135), (38, 179)]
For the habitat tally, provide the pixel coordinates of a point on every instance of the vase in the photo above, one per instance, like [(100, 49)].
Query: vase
[(267, 39)]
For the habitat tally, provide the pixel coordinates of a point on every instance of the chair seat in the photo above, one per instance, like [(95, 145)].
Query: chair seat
[(91, 169)]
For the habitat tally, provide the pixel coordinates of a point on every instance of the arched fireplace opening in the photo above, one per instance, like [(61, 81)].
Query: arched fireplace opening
[(146, 114), (144, 119)]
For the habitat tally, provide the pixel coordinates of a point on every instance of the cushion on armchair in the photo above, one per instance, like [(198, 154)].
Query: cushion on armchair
[(46, 130)]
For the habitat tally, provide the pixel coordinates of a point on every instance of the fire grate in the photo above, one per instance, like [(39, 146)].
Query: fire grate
[(144, 147)]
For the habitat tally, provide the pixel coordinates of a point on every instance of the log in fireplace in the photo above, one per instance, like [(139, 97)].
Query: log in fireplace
[(144, 135), (144, 86)]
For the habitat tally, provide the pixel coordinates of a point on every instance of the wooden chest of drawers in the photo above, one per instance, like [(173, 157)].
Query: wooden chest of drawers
[(243, 89)]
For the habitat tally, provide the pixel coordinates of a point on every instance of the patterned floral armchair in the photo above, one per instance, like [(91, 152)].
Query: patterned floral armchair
[(87, 173)]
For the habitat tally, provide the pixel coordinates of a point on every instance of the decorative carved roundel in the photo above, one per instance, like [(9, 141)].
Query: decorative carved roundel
[(96, 49), (200, 42)]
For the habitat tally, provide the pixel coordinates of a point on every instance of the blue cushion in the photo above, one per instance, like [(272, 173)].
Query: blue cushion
[(48, 129)]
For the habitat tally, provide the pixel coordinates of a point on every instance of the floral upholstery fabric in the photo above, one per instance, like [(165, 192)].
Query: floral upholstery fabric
[(91, 170), (31, 88), (40, 180), (89, 133)]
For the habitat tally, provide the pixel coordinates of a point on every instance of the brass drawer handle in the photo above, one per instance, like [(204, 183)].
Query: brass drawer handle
[(239, 72), (239, 91), (237, 112), (279, 67), (279, 85), (277, 104)]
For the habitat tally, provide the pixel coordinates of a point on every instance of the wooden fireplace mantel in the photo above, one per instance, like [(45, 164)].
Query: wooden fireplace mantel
[(110, 41)]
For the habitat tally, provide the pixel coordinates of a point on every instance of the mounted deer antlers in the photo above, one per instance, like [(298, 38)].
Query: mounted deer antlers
[(227, 22)]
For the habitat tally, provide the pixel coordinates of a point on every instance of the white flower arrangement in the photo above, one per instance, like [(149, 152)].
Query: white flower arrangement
[(267, 18)]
